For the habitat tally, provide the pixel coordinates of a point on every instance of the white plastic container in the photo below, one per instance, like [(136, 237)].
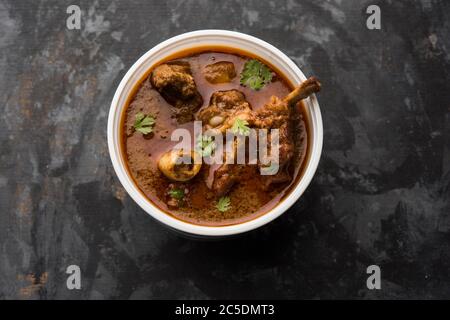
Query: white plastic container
[(200, 39)]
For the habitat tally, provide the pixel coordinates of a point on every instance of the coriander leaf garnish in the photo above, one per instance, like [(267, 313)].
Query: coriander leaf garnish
[(240, 126), (205, 145), (255, 74), (177, 193), (144, 124), (223, 204)]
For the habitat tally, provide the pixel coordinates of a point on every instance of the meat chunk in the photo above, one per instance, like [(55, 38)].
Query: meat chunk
[(277, 114), (225, 177), (273, 114), (224, 107), (229, 99), (220, 72), (174, 81)]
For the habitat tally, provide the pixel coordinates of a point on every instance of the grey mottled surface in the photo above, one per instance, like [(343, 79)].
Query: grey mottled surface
[(381, 194)]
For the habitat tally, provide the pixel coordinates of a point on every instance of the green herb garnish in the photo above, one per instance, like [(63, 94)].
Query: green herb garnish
[(240, 126), (206, 145), (144, 124), (223, 204), (255, 74), (177, 194)]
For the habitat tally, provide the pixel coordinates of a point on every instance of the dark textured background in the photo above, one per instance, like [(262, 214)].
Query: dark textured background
[(381, 194)]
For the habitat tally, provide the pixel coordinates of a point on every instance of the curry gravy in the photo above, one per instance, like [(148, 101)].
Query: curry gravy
[(141, 153)]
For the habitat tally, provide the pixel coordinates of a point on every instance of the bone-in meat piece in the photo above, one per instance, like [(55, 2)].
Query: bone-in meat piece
[(226, 175), (224, 107), (303, 91), (276, 114)]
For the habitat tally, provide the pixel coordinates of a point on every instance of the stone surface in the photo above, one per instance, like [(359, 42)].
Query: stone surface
[(381, 194)]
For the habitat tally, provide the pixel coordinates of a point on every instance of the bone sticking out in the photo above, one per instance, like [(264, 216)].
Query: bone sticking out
[(303, 91)]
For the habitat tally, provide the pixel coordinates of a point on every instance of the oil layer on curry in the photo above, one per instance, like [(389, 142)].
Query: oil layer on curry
[(225, 90)]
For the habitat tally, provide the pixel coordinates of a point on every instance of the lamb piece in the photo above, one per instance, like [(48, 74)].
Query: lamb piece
[(277, 114), (220, 72), (274, 113), (224, 107), (277, 111), (174, 81), (225, 177), (229, 99), (286, 150)]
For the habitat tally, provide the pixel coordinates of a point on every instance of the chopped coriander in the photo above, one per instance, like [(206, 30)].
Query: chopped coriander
[(223, 204), (177, 193), (205, 145), (240, 126), (144, 124), (255, 74)]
